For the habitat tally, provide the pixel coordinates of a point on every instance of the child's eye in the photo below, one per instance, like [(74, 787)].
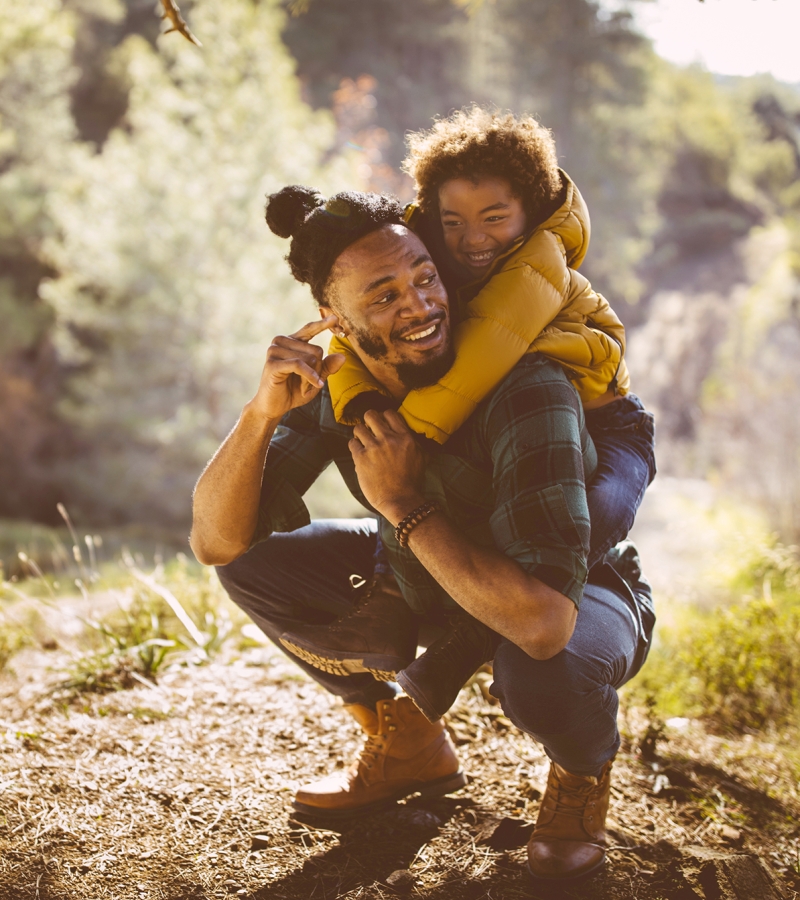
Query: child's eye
[(495, 218), (452, 223)]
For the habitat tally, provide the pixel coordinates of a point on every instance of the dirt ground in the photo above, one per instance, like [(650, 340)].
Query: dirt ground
[(183, 790)]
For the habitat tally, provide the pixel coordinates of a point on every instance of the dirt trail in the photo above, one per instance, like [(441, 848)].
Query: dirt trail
[(183, 790)]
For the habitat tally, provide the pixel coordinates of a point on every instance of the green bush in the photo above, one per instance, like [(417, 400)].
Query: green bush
[(737, 665)]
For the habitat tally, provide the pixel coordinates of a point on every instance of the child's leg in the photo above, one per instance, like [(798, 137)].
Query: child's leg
[(624, 435)]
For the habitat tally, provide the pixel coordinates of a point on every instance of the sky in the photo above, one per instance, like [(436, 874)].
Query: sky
[(731, 37)]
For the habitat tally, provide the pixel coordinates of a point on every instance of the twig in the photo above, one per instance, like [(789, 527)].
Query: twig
[(172, 13)]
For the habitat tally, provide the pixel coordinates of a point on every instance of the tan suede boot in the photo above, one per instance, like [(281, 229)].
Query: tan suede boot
[(403, 754), (569, 840)]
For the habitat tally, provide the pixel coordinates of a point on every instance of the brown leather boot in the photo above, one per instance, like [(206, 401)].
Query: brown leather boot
[(569, 840), (379, 636), (403, 754), (434, 679)]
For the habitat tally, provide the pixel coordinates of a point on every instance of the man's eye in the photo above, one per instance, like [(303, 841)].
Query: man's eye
[(385, 298), (428, 279)]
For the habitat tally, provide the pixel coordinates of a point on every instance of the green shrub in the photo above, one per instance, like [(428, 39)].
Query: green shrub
[(736, 665)]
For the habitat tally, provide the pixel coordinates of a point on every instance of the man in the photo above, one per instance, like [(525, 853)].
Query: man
[(496, 524)]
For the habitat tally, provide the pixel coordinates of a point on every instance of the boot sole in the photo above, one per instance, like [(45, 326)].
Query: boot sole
[(381, 667), (539, 881), (446, 785)]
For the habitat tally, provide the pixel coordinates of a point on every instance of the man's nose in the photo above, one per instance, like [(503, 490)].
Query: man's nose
[(418, 303)]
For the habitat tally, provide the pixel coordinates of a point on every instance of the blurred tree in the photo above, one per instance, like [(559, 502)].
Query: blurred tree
[(414, 50), (36, 158), (169, 283), (587, 73), (582, 70)]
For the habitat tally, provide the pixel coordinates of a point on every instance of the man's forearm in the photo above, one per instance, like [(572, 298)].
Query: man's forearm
[(225, 506), (495, 589)]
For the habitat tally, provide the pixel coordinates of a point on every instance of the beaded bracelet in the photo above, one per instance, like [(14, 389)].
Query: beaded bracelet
[(410, 522)]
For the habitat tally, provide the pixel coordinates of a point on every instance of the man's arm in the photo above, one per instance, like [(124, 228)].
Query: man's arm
[(226, 499), (484, 581), (494, 588)]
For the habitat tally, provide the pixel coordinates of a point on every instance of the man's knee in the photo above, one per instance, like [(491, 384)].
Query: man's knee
[(542, 696), (257, 580)]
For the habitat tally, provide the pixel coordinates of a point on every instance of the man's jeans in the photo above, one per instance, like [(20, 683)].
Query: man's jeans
[(568, 703)]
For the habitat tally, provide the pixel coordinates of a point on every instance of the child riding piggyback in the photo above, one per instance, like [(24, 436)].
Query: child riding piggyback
[(508, 230)]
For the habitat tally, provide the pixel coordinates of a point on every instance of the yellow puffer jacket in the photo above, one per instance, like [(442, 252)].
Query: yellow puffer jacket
[(532, 301)]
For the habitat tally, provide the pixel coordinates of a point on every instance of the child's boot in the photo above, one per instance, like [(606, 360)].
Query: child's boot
[(434, 679), (379, 635)]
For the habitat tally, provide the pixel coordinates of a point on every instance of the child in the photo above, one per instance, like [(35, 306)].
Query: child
[(507, 230)]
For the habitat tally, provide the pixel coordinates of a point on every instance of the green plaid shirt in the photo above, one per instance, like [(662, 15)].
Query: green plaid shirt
[(513, 477)]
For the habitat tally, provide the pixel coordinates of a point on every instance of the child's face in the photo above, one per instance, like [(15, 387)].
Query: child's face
[(480, 220)]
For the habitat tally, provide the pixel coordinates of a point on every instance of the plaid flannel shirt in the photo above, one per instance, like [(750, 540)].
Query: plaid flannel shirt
[(513, 477)]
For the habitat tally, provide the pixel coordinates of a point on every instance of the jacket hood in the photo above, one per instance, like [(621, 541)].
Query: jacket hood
[(571, 223)]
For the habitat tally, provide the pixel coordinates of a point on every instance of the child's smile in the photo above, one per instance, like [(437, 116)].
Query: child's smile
[(480, 219)]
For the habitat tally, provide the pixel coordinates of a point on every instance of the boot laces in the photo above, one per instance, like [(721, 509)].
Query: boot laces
[(362, 598), (372, 749), (582, 793)]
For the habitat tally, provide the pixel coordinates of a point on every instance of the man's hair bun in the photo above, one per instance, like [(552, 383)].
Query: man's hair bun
[(322, 229), (288, 209)]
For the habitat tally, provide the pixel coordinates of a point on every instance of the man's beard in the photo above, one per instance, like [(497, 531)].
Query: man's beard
[(412, 374)]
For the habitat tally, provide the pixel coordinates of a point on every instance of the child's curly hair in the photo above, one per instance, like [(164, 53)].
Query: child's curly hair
[(474, 143)]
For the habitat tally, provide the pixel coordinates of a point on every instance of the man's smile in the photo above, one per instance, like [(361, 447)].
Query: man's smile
[(428, 332)]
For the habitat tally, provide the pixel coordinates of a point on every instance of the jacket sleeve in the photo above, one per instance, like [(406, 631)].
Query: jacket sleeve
[(500, 325), (587, 339), (606, 320), (350, 381)]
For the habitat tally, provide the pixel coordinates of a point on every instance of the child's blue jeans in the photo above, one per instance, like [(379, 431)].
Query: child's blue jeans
[(568, 703), (624, 435)]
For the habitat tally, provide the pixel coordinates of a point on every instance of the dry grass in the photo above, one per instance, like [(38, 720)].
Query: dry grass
[(158, 792)]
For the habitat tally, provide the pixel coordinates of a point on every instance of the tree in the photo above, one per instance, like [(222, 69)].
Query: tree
[(169, 283), (37, 155), (414, 50)]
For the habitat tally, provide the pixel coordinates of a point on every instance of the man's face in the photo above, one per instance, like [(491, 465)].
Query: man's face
[(480, 220), (390, 302)]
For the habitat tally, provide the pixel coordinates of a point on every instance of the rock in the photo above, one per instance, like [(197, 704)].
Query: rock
[(505, 834), (413, 817), (260, 842), (401, 881), (732, 835), (718, 876)]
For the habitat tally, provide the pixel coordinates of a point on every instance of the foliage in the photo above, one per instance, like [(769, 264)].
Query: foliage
[(14, 636), (735, 665), (139, 283), (168, 282), (584, 72), (590, 76), (36, 157), (415, 51), (177, 614)]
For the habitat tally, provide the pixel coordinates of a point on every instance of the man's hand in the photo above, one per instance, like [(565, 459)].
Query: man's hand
[(389, 464), (295, 371)]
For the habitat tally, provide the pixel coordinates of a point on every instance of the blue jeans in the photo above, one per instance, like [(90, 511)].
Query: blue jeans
[(624, 435), (567, 703)]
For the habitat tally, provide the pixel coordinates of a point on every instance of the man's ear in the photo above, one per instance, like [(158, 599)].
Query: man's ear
[(336, 327)]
